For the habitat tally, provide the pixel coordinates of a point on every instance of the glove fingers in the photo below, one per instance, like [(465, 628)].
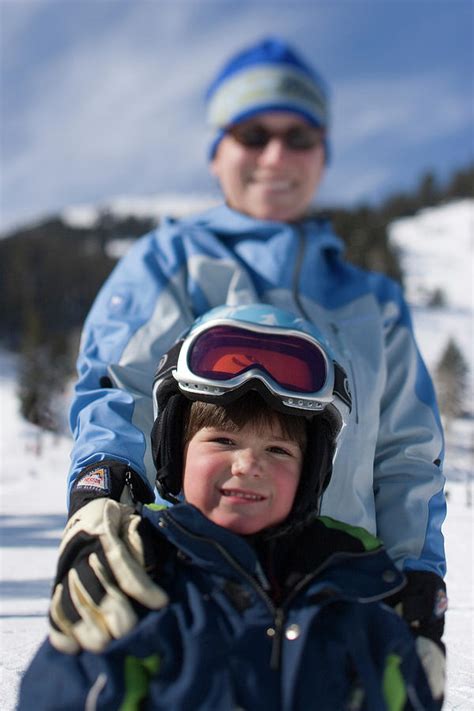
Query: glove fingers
[(89, 611), (64, 614), (61, 633), (75, 550), (434, 665), (127, 561), (132, 539), (87, 574), (134, 580), (87, 630), (116, 530), (99, 624), (115, 609)]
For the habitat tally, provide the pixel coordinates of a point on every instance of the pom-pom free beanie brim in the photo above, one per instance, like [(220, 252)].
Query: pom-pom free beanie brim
[(268, 76)]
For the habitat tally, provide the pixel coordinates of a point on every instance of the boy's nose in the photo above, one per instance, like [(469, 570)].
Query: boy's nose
[(246, 463)]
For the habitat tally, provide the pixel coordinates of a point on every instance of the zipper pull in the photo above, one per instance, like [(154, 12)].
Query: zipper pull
[(276, 633), (129, 485)]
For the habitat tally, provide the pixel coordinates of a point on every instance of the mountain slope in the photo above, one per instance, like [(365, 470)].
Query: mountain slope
[(436, 252)]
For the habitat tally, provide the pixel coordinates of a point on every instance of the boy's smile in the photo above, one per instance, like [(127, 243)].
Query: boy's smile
[(245, 480)]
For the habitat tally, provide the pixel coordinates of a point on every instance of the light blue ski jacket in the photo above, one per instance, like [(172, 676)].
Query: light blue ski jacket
[(387, 473)]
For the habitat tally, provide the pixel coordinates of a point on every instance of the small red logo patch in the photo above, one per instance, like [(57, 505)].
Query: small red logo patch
[(96, 479), (441, 603)]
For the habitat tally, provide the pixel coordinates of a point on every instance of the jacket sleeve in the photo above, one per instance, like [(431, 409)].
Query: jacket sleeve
[(408, 480), (139, 312)]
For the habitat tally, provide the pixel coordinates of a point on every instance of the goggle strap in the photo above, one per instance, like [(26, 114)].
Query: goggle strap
[(168, 361), (341, 385)]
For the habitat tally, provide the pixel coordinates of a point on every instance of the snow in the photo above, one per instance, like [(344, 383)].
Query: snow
[(34, 466), (437, 252), (437, 248), (152, 206)]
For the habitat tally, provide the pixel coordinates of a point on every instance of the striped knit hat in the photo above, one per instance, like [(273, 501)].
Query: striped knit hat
[(268, 76)]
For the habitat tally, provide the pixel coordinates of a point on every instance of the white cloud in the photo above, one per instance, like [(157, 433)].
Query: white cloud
[(407, 109), (122, 109), (116, 106)]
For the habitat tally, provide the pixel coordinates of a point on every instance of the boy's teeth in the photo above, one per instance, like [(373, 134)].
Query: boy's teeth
[(242, 495)]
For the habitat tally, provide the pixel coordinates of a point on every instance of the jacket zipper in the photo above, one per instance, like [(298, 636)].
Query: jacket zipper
[(297, 272), (278, 613), (296, 298)]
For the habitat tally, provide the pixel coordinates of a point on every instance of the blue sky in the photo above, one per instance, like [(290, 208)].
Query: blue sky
[(104, 98)]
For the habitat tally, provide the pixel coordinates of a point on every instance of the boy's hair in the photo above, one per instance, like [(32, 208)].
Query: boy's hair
[(248, 410)]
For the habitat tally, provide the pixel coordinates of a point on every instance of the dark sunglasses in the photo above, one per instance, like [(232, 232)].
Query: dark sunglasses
[(295, 138)]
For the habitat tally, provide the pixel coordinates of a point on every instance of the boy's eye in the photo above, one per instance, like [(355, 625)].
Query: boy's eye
[(227, 441), (279, 450)]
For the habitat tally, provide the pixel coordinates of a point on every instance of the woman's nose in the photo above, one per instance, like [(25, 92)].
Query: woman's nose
[(274, 151), (246, 463)]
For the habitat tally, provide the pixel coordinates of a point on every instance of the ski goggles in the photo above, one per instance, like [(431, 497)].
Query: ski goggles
[(296, 138), (215, 362)]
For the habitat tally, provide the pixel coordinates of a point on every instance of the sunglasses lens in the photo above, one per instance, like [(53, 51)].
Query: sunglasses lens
[(225, 352), (302, 138), (297, 138), (251, 136)]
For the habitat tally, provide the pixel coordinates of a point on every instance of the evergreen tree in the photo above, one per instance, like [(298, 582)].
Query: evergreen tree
[(437, 299), (45, 364), (428, 190), (461, 184), (451, 378)]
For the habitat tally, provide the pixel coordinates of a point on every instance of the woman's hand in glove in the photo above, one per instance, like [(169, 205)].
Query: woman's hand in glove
[(102, 577)]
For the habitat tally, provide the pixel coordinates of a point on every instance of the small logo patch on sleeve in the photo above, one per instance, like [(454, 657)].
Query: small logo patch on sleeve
[(97, 479)]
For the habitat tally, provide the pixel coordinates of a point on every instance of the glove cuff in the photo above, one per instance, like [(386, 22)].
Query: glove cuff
[(423, 604), (108, 479)]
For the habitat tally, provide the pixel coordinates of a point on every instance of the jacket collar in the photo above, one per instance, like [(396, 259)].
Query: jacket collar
[(225, 221), (361, 570), (203, 542)]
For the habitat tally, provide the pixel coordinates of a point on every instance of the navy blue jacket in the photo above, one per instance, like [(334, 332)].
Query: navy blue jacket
[(231, 639)]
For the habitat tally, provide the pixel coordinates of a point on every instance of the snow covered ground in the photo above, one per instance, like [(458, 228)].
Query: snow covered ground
[(34, 465)]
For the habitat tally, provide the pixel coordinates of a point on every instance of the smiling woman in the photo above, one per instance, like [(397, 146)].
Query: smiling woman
[(274, 180), (268, 110)]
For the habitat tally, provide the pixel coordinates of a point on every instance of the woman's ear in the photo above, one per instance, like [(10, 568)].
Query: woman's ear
[(214, 168)]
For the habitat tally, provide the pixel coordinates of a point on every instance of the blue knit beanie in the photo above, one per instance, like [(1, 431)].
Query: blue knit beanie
[(268, 76)]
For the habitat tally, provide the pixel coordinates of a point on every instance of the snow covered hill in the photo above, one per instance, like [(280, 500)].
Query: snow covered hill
[(437, 251), (437, 256), (153, 206)]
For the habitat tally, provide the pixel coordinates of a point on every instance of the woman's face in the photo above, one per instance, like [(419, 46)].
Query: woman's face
[(274, 181)]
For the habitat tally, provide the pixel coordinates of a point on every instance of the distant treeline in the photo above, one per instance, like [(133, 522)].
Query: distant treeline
[(50, 274)]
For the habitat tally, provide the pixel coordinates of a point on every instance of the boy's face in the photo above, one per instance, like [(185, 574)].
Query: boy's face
[(244, 481), (273, 182)]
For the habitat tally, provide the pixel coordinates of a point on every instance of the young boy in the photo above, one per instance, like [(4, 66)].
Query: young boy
[(262, 603)]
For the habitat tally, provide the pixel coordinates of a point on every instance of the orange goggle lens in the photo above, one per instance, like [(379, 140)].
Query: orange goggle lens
[(225, 352)]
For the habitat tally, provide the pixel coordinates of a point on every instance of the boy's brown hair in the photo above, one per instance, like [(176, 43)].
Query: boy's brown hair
[(248, 410)]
